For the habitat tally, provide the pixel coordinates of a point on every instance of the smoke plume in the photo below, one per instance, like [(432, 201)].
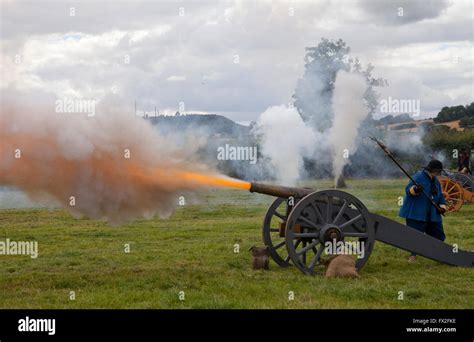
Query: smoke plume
[(349, 111), (285, 140), (112, 166)]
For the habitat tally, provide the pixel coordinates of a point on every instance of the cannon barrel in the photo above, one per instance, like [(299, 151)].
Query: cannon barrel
[(279, 191)]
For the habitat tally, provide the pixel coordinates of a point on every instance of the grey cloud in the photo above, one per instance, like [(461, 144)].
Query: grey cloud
[(44, 17), (387, 12), (269, 42)]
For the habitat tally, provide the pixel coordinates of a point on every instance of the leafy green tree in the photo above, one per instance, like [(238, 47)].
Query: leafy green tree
[(467, 122), (314, 90), (455, 113), (443, 138), (313, 93)]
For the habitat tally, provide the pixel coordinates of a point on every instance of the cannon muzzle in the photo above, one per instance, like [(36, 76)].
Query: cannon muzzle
[(279, 191)]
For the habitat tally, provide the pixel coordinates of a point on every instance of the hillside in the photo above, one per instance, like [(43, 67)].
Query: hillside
[(212, 124)]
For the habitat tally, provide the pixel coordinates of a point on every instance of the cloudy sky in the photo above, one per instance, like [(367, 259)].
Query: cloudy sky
[(235, 58)]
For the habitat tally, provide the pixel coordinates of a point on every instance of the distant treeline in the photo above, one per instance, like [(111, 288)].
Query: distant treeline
[(390, 119), (449, 140), (443, 138), (407, 125), (463, 113)]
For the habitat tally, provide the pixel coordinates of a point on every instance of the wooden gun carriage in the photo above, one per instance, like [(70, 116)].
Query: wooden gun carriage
[(301, 222)]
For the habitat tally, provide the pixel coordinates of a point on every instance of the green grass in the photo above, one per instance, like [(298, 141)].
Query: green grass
[(193, 252)]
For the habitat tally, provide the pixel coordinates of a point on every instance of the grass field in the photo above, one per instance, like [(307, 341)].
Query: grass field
[(193, 251)]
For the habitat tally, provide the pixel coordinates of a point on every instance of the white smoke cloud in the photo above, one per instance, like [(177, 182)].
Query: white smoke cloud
[(285, 141), (349, 111), (113, 166)]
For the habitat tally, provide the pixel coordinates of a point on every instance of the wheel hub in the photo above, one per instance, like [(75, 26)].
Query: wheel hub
[(330, 232)]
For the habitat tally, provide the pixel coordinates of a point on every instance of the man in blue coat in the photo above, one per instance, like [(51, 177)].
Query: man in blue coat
[(418, 210)]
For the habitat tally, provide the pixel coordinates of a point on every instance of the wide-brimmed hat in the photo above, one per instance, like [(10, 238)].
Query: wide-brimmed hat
[(434, 165)]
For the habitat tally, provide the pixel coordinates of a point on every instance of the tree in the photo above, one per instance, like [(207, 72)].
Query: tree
[(467, 122), (455, 113), (314, 91), (450, 113)]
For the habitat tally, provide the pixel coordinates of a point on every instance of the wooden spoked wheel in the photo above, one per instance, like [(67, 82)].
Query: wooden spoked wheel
[(323, 217), (467, 181), (453, 193), (273, 229)]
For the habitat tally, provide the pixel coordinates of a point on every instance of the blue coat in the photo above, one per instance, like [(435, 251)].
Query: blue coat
[(419, 207)]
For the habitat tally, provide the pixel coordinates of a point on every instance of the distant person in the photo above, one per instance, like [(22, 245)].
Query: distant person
[(418, 210), (464, 162)]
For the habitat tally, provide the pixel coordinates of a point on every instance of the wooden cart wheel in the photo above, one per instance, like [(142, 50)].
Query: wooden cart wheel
[(453, 193), (466, 181), (273, 231), (327, 216)]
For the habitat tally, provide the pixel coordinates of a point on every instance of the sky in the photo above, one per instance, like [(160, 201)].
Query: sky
[(235, 58)]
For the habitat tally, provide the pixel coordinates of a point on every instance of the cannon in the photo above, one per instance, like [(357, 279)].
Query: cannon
[(301, 222), (457, 188)]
